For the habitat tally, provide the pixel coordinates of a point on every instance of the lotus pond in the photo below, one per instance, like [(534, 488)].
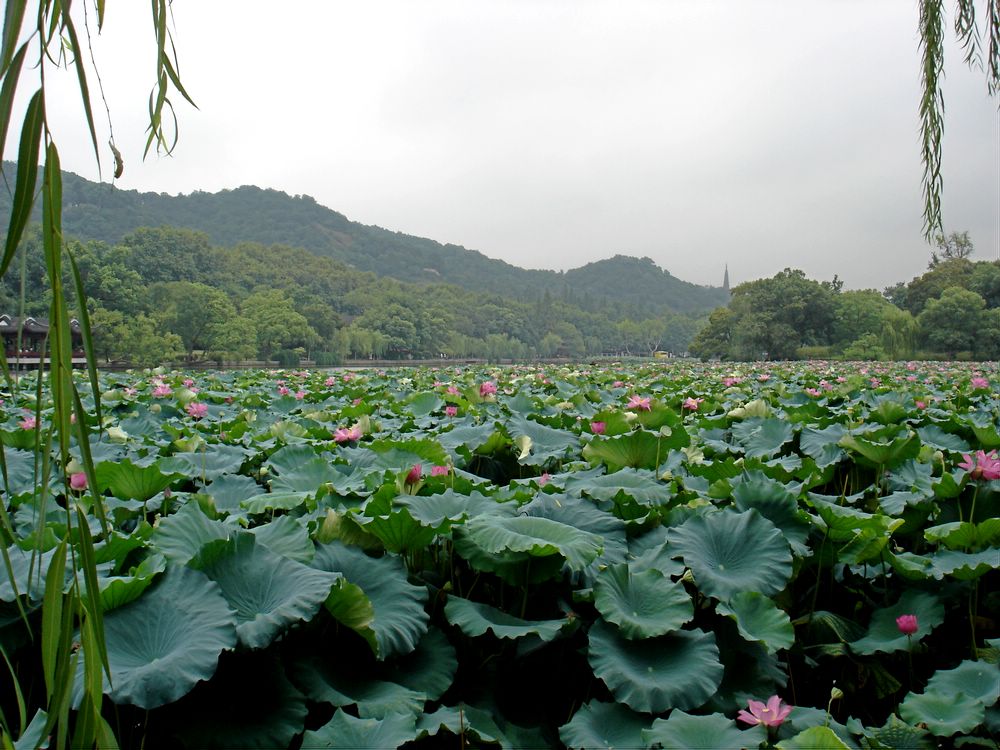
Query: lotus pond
[(669, 555)]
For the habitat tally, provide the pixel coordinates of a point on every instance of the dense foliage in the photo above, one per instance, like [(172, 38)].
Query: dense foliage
[(165, 294), (952, 309), (529, 557)]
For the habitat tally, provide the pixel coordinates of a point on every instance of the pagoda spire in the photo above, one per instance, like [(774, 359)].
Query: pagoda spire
[(725, 279)]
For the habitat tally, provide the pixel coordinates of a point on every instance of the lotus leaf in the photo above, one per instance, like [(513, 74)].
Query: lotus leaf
[(944, 714), (758, 619), (166, 641), (475, 619), (598, 726), (397, 617), (268, 592), (883, 633), (343, 730), (680, 670), (642, 604), (711, 732), (732, 552)]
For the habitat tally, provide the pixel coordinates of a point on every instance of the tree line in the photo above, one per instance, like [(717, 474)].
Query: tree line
[(168, 295), (953, 309)]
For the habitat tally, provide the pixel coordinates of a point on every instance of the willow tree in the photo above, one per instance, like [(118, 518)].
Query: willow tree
[(40, 39), (978, 32)]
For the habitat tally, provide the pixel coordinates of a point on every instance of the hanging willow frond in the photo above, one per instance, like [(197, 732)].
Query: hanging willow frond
[(932, 110)]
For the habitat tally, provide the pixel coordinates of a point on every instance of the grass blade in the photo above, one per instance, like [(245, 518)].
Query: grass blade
[(27, 177)]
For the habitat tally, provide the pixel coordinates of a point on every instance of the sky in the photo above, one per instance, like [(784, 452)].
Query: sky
[(553, 133)]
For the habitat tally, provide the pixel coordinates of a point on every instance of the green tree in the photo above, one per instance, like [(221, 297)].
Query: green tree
[(715, 338), (196, 312), (955, 322), (277, 323), (857, 313)]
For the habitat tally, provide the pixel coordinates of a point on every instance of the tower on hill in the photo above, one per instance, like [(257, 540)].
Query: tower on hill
[(725, 279)]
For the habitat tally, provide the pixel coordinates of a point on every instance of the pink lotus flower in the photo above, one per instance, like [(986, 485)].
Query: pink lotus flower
[(907, 624), (130, 391), (283, 390), (78, 481), (300, 395), (770, 714), (188, 382), (348, 377), (635, 402), (978, 383), (487, 389), (544, 479), (439, 471), (763, 378), (344, 435), (452, 390), (983, 466), (920, 405), (28, 423), (413, 476), (197, 410), (618, 384), (162, 391), (451, 411), (691, 404), (814, 392), (598, 428), (731, 381), (330, 381)]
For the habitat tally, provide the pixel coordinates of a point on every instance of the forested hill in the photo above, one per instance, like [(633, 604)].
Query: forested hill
[(250, 214)]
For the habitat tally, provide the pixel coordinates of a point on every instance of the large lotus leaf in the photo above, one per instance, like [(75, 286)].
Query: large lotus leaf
[(642, 605), (680, 670), (964, 535), (731, 552), (639, 449), (814, 738), (166, 641), (965, 566), (345, 731), (761, 437), (271, 501), (268, 592), (711, 732), (641, 486), (323, 682), (422, 404), (759, 619), (546, 443), (584, 515), (883, 632), (465, 438), (20, 465), (117, 591), (987, 432), (476, 619), (471, 722), (943, 714), (844, 522), (308, 476), (285, 459), (538, 537), (899, 735), (651, 551), (441, 510), (777, 504), (207, 464), (229, 490), (429, 669), (599, 726), (286, 536), (397, 530), (131, 482), (886, 447), (182, 535), (822, 445), (26, 567), (397, 618), (977, 679), (938, 439), (250, 703)]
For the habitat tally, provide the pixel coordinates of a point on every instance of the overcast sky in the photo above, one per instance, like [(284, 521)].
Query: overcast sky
[(551, 133)]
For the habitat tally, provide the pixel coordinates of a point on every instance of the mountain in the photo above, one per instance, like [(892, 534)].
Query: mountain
[(250, 214)]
